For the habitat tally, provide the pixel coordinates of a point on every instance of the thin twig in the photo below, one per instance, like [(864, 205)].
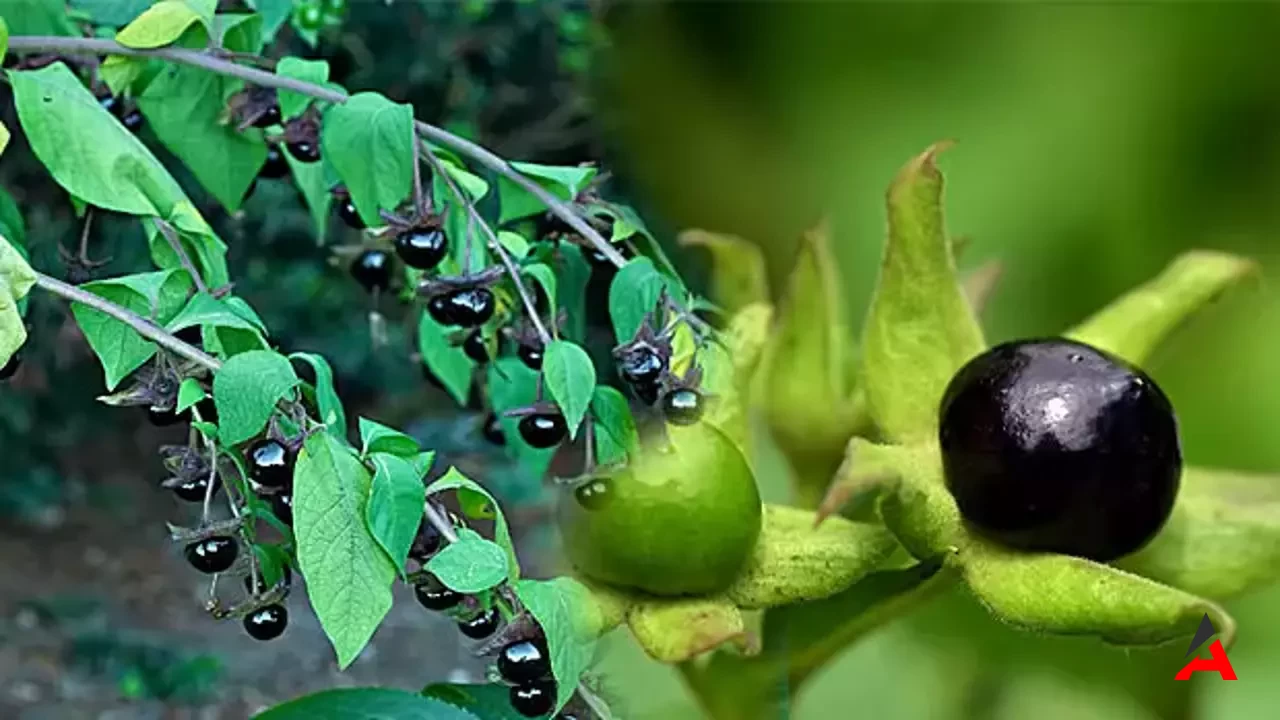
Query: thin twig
[(529, 305), (440, 523), (140, 325), (175, 242), (213, 63)]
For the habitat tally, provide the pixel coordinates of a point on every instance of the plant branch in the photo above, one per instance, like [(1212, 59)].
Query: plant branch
[(140, 325), (529, 305), (175, 242), (213, 63)]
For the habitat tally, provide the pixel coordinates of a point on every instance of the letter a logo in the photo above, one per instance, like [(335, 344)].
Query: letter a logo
[(1217, 660)]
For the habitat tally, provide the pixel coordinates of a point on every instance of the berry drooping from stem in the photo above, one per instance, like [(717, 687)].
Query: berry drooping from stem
[(433, 595), (682, 406), (266, 623), (422, 247), (524, 661), (543, 430), (535, 699), (270, 463), (372, 269), (482, 625), (213, 554)]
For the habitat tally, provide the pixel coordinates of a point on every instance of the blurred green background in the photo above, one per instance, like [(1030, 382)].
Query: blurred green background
[(1094, 142)]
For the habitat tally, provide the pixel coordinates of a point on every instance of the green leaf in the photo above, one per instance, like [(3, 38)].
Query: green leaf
[(114, 13), (16, 280), (378, 438), (89, 153), (471, 184), (348, 575), (1134, 325), (365, 704), (119, 348), (570, 379), (205, 249), (633, 294), (312, 182), (513, 242), (369, 140), (396, 504), (470, 565), (626, 221), (793, 561), (184, 106), (313, 71), (569, 619), (616, 434), (4, 48), (161, 24), (37, 17), (190, 392), (478, 504), (572, 275), (547, 279), (12, 225), (563, 182), (489, 701), (512, 385), (272, 560), (4, 132), (240, 33), (1223, 538), (738, 274), (246, 391), (447, 362), (204, 309), (919, 328), (327, 400), (275, 13)]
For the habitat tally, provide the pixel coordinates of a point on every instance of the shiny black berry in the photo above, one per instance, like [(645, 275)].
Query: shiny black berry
[(132, 120), (642, 366), (594, 494), (276, 165), (268, 118), (270, 463), (350, 215), (531, 356), (304, 151), (426, 543), (195, 489), (266, 623), (212, 555), (422, 248), (282, 507), (163, 418), (10, 368), (470, 307), (441, 310), (481, 626), (543, 430), (493, 430), (372, 269), (433, 595), (524, 661), (535, 699), (1055, 446), (475, 348), (682, 406)]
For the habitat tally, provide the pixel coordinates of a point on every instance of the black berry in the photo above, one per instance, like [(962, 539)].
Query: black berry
[(195, 489), (594, 494), (163, 418), (647, 393), (543, 430), (474, 347), (535, 699), (350, 215), (482, 625), (441, 310), (523, 662), (268, 118), (422, 248), (426, 543), (682, 406), (531, 356), (493, 430), (276, 165), (642, 366), (1056, 446), (11, 368), (372, 269), (470, 307), (270, 463), (282, 507), (212, 555), (433, 595), (304, 151), (132, 120), (267, 623)]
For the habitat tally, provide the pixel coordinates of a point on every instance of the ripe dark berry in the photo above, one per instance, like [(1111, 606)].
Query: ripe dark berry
[(474, 347), (426, 543), (268, 118), (493, 430), (212, 555), (1055, 446), (470, 307), (535, 699), (132, 120), (647, 393), (543, 430), (481, 626), (594, 494), (194, 490), (270, 463), (524, 661), (11, 368), (642, 366), (267, 623), (350, 215), (441, 310), (282, 507), (433, 595), (276, 165), (304, 151), (531, 356), (372, 269), (163, 418), (682, 406), (422, 248)]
